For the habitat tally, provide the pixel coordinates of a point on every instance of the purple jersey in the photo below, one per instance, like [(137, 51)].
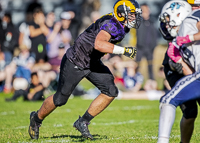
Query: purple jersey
[(82, 53)]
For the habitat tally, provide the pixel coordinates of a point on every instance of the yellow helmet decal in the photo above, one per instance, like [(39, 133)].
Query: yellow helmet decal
[(190, 1), (128, 4)]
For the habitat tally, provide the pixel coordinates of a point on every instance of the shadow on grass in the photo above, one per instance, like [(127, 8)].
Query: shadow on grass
[(76, 138)]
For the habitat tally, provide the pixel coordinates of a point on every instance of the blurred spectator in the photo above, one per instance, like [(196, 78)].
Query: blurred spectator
[(33, 93), (146, 39), (34, 4), (89, 6), (150, 92), (161, 74), (1, 33), (38, 33), (9, 33), (131, 79), (2, 68), (76, 7), (45, 73), (90, 13), (24, 33), (5, 59), (24, 63), (50, 20), (65, 34), (60, 34), (56, 61), (129, 82), (111, 62), (95, 15), (20, 67)]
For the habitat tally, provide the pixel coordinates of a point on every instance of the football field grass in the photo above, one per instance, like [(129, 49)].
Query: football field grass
[(124, 121)]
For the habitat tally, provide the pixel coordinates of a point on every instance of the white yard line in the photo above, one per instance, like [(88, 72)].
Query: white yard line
[(130, 108), (7, 113), (123, 122)]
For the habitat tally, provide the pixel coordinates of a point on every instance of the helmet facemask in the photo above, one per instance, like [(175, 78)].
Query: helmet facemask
[(166, 35), (128, 12), (172, 26), (132, 17)]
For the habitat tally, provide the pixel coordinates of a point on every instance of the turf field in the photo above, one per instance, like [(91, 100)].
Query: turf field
[(124, 121)]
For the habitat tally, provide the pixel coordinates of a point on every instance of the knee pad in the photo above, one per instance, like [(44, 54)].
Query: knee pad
[(189, 112), (60, 99), (62, 94), (112, 91)]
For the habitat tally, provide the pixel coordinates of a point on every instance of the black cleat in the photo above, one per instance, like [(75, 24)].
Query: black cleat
[(33, 129), (82, 126)]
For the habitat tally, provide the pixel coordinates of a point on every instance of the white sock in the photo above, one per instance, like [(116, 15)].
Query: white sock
[(166, 121), (163, 140)]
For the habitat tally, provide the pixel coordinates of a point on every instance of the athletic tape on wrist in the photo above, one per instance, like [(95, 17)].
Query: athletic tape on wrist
[(118, 50), (191, 37)]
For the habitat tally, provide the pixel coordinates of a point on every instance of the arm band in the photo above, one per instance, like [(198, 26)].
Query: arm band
[(118, 50)]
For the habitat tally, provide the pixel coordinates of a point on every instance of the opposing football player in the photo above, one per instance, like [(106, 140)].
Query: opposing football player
[(82, 60), (171, 17), (186, 89)]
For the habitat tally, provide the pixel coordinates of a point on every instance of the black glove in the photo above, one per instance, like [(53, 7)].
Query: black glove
[(176, 66), (130, 52)]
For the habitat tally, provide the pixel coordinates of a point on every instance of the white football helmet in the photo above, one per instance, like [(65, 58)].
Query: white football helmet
[(173, 13)]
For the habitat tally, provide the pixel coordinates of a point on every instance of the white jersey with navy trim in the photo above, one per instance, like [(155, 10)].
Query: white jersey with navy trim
[(187, 88), (188, 27), (184, 90)]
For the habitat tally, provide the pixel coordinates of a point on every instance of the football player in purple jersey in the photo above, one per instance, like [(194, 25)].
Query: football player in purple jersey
[(82, 60)]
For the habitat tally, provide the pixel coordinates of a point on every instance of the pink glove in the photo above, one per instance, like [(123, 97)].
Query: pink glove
[(182, 40), (173, 53)]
